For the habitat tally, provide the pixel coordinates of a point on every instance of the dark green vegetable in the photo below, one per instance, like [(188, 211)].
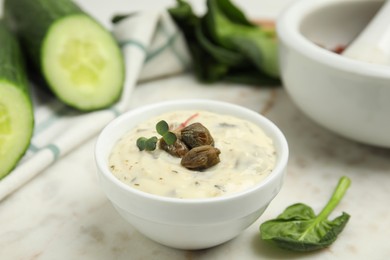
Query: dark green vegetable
[(206, 67), (16, 111), (299, 229), (224, 45), (229, 28), (79, 59)]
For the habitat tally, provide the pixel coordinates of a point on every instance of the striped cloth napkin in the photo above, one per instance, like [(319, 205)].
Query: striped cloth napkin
[(148, 39)]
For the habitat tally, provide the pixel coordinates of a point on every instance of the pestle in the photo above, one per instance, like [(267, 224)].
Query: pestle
[(373, 43)]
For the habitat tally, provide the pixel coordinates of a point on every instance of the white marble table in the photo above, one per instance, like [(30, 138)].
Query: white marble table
[(63, 214)]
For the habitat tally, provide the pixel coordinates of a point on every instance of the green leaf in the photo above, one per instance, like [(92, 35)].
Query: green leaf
[(141, 143), (224, 45), (150, 144), (299, 229), (207, 69), (162, 127), (219, 53), (232, 12), (170, 138), (229, 28)]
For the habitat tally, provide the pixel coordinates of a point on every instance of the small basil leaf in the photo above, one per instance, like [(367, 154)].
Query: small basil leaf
[(169, 138), (141, 143), (162, 127), (150, 143)]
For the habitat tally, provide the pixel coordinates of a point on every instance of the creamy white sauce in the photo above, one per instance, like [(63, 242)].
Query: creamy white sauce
[(247, 157)]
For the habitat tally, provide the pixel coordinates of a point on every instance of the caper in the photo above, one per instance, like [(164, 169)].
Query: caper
[(177, 149), (195, 135), (201, 157)]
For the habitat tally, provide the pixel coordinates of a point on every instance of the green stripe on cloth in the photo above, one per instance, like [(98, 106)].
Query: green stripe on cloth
[(115, 111), (178, 55), (133, 43), (159, 50), (33, 148), (54, 149), (50, 120)]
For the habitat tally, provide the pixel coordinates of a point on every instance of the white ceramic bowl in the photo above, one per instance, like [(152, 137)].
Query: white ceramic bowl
[(347, 96), (188, 223)]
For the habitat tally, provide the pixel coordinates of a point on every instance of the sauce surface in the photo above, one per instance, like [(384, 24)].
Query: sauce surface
[(247, 157)]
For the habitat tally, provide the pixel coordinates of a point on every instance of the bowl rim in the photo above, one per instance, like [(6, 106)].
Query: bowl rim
[(276, 172), (288, 30)]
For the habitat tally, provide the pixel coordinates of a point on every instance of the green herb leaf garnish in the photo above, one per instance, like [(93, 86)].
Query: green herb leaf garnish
[(149, 144), (299, 229), (162, 128), (141, 143), (169, 138)]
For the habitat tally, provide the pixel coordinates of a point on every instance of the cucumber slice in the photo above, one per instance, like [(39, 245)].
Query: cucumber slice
[(16, 112), (16, 124), (83, 67), (78, 58)]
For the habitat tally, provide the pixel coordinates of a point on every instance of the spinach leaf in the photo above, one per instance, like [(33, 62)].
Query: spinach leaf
[(206, 67), (221, 54), (299, 229), (224, 45), (229, 27)]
